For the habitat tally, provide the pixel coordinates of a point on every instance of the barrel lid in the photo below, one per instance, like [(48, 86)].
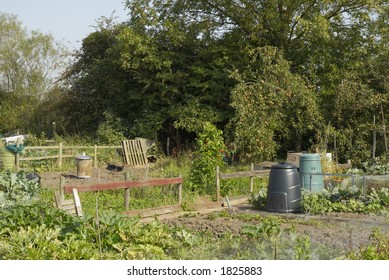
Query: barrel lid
[(83, 157), (283, 165), (310, 156)]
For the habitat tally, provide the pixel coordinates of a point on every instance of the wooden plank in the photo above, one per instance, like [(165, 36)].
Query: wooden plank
[(68, 202), (58, 199), (68, 207), (77, 203), (240, 174), (154, 211), (68, 147), (44, 157), (37, 158), (41, 148), (131, 153), (125, 152), (141, 152), (134, 153), (125, 184)]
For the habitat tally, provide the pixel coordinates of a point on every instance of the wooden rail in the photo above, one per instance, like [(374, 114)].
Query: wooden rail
[(239, 174), (60, 155), (127, 185)]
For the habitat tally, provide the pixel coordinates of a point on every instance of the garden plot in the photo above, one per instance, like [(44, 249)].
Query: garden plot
[(330, 236)]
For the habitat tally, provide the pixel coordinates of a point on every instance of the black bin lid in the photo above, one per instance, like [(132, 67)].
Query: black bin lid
[(283, 165)]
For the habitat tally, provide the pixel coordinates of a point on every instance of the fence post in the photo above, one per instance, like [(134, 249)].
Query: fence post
[(127, 194), (61, 186), (252, 179), (60, 155), (217, 183), (180, 194), (95, 157), (352, 181)]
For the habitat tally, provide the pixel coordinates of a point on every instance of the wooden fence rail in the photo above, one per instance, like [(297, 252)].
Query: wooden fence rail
[(60, 154), (127, 185), (239, 174)]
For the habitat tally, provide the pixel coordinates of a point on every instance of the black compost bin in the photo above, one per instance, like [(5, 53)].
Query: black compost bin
[(284, 192)]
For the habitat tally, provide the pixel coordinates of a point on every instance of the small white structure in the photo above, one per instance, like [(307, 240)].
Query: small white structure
[(15, 139)]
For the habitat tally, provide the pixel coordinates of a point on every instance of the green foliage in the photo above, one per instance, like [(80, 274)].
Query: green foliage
[(111, 131), (16, 188), (30, 62), (208, 154), (377, 166), (272, 106), (377, 250), (176, 64), (269, 226), (339, 199), (259, 199), (47, 233), (302, 248), (345, 200)]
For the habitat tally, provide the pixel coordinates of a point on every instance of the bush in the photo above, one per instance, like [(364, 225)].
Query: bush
[(209, 154)]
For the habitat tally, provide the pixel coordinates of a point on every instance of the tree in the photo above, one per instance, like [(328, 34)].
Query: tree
[(29, 63), (161, 81), (275, 110), (175, 64)]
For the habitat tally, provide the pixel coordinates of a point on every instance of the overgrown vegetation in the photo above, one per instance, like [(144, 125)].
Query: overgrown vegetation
[(377, 250), (41, 232), (337, 200), (301, 75), (18, 188), (208, 154), (282, 75), (30, 228)]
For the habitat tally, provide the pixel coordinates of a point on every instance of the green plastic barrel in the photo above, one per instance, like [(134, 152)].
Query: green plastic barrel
[(7, 159), (310, 166)]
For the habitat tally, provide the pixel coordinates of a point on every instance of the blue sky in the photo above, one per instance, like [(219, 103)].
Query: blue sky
[(69, 21)]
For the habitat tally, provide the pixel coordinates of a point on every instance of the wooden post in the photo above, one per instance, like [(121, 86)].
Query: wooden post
[(374, 139), (60, 155), (95, 157), (384, 131), (127, 194), (335, 152), (61, 186), (180, 194), (168, 146), (217, 183), (252, 179)]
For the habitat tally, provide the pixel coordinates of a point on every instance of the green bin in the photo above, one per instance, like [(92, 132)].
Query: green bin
[(7, 159), (310, 172)]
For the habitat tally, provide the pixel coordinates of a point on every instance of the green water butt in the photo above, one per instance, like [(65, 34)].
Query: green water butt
[(310, 172)]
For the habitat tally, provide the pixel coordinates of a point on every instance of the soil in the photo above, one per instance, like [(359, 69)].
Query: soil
[(99, 175), (341, 232)]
